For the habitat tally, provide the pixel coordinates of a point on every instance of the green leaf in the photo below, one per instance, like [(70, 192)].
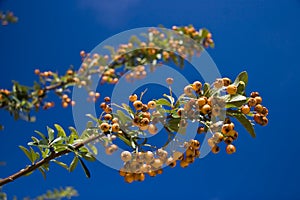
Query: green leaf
[(128, 109), (64, 165), (111, 49), (206, 90), (93, 148), (60, 131), (243, 120), (171, 99), (85, 169), (34, 155), (88, 157), (92, 118), (243, 76), (122, 117), (163, 102), (42, 172), (57, 140), (27, 153), (50, 134), (73, 164), (41, 135)]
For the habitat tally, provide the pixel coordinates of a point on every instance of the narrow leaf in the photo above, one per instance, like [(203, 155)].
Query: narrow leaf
[(42, 172), (244, 121), (50, 133), (60, 131), (86, 170), (64, 165), (73, 164), (27, 153)]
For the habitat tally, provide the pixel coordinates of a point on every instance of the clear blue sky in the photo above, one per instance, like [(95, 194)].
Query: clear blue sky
[(260, 36)]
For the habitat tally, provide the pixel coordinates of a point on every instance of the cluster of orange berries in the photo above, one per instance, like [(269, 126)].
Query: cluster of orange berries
[(137, 164), (8, 17), (142, 117), (261, 112), (43, 74), (227, 135), (138, 72), (109, 123), (66, 101), (193, 33), (93, 96), (5, 92)]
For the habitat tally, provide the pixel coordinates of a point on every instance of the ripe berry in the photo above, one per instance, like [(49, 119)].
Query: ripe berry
[(133, 98), (264, 121), (231, 89), (195, 144), (252, 102), (230, 149), (226, 81), (265, 111), (218, 83), (122, 172), (228, 140), (205, 109), (218, 137), (138, 105), (104, 127), (151, 104), (226, 128), (202, 101), (126, 156), (115, 127), (184, 164), (107, 99), (258, 108), (188, 90), (168, 80), (151, 173), (129, 178), (245, 109), (103, 105), (254, 94), (258, 99), (215, 149), (200, 130), (37, 71), (107, 117), (152, 129), (157, 163), (149, 156), (197, 85)]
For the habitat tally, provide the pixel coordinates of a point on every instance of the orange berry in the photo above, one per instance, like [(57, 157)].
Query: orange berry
[(197, 85), (151, 104), (231, 89), (226, 81), (138, 105), (126, 156), (115, 127), (37, 71), (245, 109), (152, 129), (230, 149), (104, 127)]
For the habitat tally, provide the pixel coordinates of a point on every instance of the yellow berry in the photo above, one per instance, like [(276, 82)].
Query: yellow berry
[(231, 89)]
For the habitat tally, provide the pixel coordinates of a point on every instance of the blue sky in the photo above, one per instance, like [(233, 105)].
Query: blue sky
[(254, 35)]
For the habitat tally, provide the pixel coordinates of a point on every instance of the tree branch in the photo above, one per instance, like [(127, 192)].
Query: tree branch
[(40, 163)]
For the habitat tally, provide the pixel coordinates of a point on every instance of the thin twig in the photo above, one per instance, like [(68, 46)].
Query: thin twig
[(40, 163)]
